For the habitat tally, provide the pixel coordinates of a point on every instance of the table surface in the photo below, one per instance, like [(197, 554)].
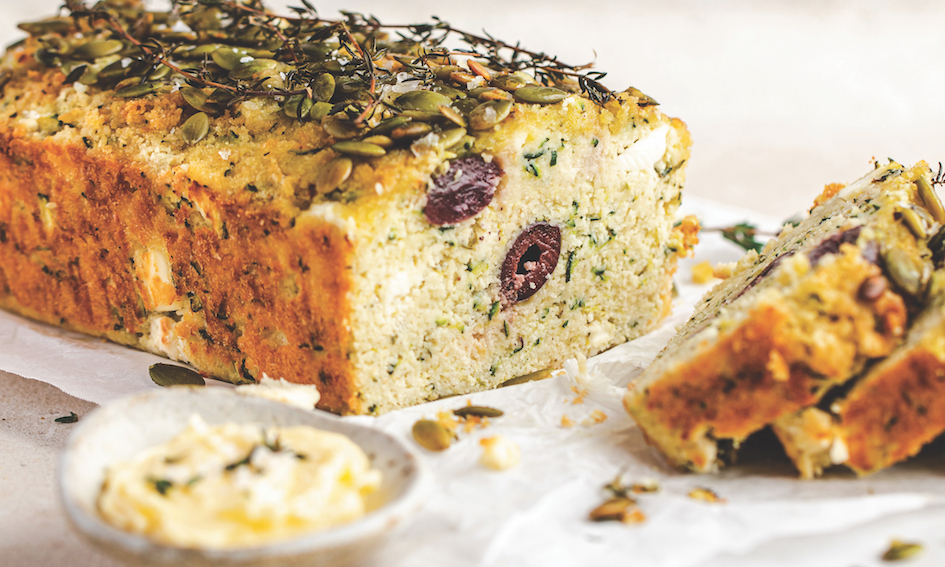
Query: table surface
[(781, 97)]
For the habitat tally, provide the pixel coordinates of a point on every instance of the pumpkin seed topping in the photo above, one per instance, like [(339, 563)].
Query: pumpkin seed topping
[(360, 149), (95, 49), (540, 95), (333, 175), (172, 375), (195, 128), (136, 90), (489, 114), (900, 550), (930, 199), (431, 435), (478, 411), (427, 101)]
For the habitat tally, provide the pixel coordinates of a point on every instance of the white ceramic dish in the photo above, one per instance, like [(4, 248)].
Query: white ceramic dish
[(121, 429)]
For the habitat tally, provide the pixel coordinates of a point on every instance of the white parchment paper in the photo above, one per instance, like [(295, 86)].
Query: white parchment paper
[(536, 513)]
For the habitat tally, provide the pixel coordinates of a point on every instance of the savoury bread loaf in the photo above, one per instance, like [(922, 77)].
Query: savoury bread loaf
[(803, 317), (320, 201)]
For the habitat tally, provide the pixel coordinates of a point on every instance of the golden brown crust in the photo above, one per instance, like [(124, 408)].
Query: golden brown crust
[(258, 311), (768, 365), (895, 413)]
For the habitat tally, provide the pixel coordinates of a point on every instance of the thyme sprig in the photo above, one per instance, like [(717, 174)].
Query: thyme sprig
[(309, 45)]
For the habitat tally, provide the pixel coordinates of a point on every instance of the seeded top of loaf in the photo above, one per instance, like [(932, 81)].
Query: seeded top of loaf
[(283, 113)]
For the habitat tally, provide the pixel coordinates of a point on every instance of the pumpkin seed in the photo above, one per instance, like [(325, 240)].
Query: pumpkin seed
[(200, 51), (464, 144), (255, 69), (316, 51), (134, 91), (431, 435), (112, 72), (531, 377), (5, 75), (298, 107), (453, 115), (617, 509), (96, 49), (914, 223), (320, 110), (509, 82), (462, 77), (47, 57), (443, 72), (323, 88), (495, 94), (489, 114), (228, 58), (333, 175), (479, 69), (411, 131), (478, 411), (899, 550), (48, 124), (220, 96), (340, 127), (930, 199), (379, 140), (196, 98), (159, 73), (427, 101), (451, 137), (75, 74), (360, 149), (541, 95), (466, 105), (642, 99), (171, 375), (449, 91), (422, 115), (387, 126), (51, 25), (195, 128), (906, 272)]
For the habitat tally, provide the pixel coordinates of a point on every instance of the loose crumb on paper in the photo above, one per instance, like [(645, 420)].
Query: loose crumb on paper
[(499, 453)]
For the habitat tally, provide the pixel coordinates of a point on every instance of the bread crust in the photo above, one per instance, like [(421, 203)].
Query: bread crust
[(247, 270)]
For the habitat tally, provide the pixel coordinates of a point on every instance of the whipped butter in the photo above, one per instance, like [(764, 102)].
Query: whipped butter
[(235, 485)]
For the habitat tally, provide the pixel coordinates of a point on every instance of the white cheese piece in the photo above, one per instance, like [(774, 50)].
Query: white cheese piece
[(304, 396)]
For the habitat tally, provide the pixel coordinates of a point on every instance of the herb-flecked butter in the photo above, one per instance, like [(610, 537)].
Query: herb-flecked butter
[(236, 485)]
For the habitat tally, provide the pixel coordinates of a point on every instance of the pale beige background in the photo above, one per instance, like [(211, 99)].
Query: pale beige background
[(781, 98)]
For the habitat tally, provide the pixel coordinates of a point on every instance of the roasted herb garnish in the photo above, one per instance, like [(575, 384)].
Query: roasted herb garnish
[(71, 418), (229, 50), (743, 234)]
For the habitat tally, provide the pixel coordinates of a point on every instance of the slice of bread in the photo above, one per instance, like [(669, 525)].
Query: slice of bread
[(887, 414), (806, 315)]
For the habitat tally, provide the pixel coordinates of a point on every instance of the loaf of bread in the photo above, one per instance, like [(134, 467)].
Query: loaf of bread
[(794, 323), (321, 201)]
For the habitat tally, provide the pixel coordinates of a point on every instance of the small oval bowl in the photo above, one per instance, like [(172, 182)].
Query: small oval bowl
[(119, 430)]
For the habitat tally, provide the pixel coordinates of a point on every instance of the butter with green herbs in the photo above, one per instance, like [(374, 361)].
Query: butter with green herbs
[(238, 485)]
